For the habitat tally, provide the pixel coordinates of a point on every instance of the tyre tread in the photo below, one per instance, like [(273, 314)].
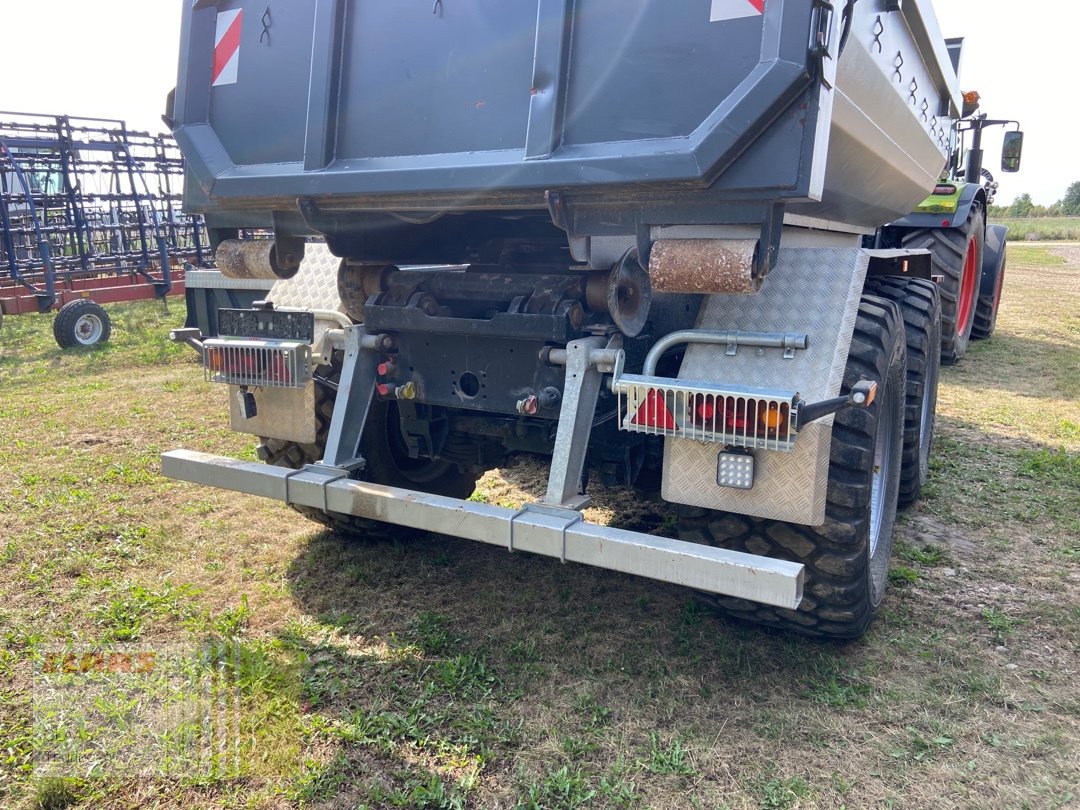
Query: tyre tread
[(920, 305), (948, 247)]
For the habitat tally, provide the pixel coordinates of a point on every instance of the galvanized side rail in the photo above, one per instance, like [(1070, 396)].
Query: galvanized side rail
[(545, 530)]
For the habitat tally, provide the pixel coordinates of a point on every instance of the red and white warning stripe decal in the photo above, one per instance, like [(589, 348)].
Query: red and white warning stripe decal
[(227, 47), (735, 9)]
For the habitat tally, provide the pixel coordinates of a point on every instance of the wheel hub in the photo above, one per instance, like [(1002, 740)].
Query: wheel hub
[(88, 329)]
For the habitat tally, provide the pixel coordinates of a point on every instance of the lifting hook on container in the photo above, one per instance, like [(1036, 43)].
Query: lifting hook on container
[(266, 21), (436, 8)]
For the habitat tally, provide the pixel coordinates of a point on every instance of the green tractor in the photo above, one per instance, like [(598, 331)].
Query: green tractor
[(968, 253)]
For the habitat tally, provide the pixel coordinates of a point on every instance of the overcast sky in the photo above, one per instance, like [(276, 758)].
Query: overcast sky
[(117, 59)]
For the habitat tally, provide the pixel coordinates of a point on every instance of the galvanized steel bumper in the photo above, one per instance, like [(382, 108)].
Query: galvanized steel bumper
[(553, 532)]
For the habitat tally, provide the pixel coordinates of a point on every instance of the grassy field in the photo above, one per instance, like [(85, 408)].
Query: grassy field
[(1041, 229), (433, 673)]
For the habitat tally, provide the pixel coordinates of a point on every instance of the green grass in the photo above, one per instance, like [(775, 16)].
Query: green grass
[(1001, 625), (1042, 229), (978, 485), (131, 607), (1052, 468), (776, 793), (902, 575), (566, 788), (668, 757), (930, 555)]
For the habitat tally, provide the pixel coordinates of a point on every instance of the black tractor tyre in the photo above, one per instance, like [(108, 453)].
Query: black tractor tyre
[(957, 255), (384, 452), (81, 322), (989, 300), (847, 558), (920, 306)]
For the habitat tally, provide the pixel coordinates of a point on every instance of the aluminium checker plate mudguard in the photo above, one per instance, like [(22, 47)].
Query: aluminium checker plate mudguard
[(814, 291), (289, 414)]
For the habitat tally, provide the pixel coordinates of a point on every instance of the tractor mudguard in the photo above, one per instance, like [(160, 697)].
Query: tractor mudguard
[(970, 193), (993, 256)]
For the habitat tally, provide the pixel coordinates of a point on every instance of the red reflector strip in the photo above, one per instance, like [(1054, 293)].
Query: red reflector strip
[(945, 190), (227, 47)]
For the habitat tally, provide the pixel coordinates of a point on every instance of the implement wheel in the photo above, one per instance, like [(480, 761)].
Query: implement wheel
[(920, 306), (81, 322), (847, 558), (957, 255), (384, 450)]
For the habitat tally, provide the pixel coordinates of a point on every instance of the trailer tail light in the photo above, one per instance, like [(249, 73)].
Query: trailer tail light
[(257, 363), (739, 417)]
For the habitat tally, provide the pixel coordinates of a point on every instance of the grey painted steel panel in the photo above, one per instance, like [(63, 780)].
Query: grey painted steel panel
[(428, 101), (488, 104), (812, 291), (761, 579), (419, 83), (885, 156), (273, 130), (633, 48)]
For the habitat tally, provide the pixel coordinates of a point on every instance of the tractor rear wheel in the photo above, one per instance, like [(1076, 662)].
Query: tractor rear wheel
[(847, 558), (384, 450), (920, 306), (957, 255)]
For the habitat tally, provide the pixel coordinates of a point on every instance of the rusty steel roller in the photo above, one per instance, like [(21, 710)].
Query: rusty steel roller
[(704, 266), (257, 259)]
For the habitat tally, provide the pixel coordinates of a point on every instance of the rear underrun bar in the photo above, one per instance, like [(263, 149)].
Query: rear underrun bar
[(539, 529)]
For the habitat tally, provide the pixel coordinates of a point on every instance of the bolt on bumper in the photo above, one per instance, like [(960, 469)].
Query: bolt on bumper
[(552, 532)]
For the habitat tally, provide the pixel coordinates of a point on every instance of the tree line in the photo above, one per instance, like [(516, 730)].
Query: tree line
[(1023, 206)]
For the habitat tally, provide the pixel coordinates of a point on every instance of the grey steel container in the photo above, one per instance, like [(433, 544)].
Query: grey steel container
[(653, 112)]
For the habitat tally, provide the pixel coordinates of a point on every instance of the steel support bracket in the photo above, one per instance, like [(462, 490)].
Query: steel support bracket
[(318, 474), (772, 228), (569, 518), (580, 393), (192, 337), (356, 389), (562, 218)]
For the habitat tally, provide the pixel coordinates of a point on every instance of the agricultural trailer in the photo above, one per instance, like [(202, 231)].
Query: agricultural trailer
[(666, 246)]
